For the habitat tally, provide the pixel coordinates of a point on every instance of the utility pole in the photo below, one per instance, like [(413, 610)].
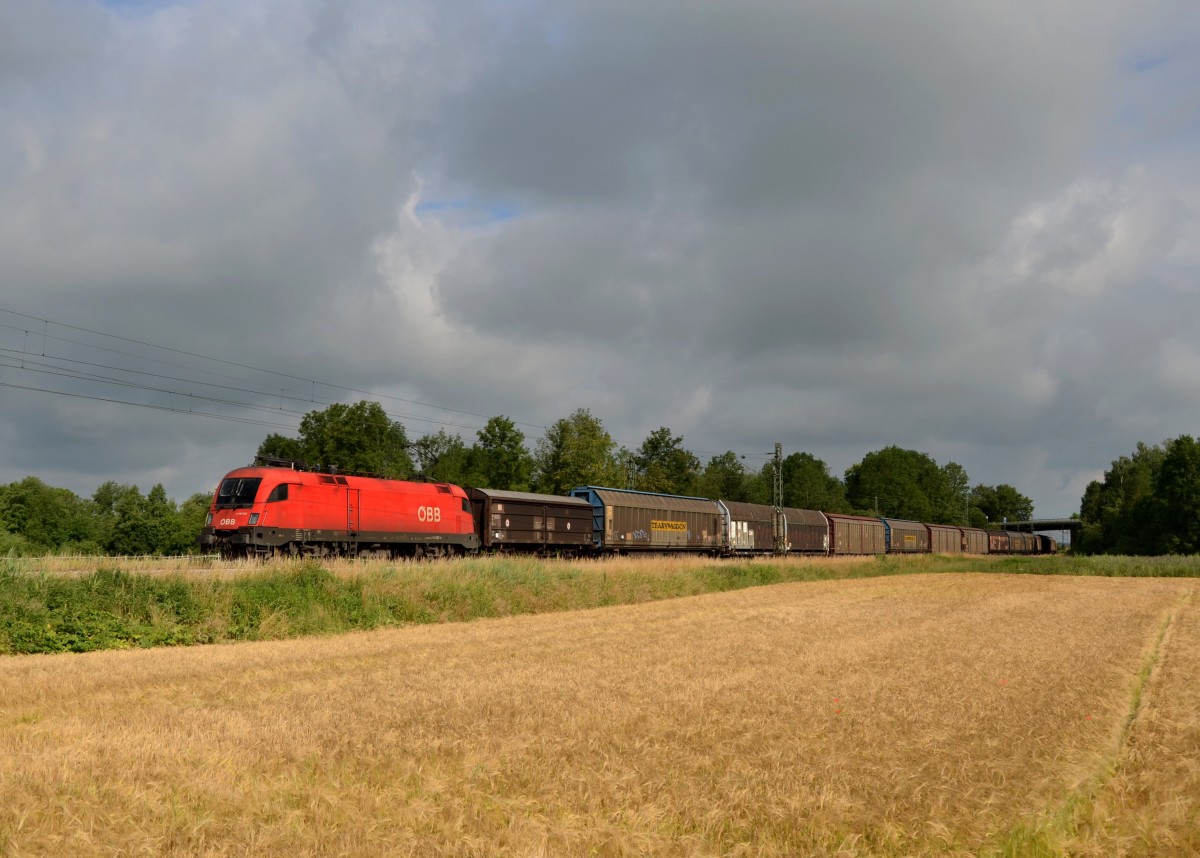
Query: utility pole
[(780, 525)]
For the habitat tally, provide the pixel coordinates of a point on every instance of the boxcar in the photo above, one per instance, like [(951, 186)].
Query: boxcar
[(750, 529), (905, 537), (522, 521), (627, 520), (974, 540), (856, 534), (945, 539), (998, 542), (807, 531), (1022, 543)]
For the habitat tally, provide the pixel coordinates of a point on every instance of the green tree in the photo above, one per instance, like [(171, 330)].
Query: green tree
[(147, 524), (1000, 504), (442, 457), (760, 487), (958, 494), (48, 518), (1174, 522), (1090, 531), (724, 478), (281, 447), (499, 459), (899, 484), (106, 501), (662, 465), (575, 451), (359, 438), (807, 484), (1117, 514), (188, 522), (162, 520), (134, 530)]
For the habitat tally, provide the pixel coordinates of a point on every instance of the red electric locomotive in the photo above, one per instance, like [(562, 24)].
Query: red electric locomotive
[(281, 508)]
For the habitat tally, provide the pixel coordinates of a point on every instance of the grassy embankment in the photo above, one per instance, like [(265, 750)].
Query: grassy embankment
[(83, 604)]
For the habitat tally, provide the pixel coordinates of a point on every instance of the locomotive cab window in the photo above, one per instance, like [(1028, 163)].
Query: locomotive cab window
[(238, 492), (279, 493)]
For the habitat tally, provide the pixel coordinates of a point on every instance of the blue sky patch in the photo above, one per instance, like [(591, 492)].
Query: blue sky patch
[(475, 212)]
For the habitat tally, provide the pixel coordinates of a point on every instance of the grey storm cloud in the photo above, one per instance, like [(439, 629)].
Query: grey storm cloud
[(967, 229)]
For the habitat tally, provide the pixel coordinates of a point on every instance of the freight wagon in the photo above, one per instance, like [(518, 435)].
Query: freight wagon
[(856, 534), (526, 522), (750, 529), (905, 537), (975, 540), (624, 520), (945, 539)]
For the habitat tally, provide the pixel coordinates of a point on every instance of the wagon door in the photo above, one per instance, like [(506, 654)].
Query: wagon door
[(353, 512), (543, 524)]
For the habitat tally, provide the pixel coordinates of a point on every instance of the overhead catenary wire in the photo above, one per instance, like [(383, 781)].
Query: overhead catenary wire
[(193, 389)]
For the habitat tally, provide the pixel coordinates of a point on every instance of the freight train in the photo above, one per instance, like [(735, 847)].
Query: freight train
[(283, 508)]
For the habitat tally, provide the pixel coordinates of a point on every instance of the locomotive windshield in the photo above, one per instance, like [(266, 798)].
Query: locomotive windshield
[(237, 492)]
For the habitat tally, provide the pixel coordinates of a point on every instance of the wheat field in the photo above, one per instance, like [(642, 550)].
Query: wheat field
[(956, 714)]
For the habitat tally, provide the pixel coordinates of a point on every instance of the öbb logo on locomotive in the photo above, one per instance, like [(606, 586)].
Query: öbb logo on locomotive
[(293, 510)]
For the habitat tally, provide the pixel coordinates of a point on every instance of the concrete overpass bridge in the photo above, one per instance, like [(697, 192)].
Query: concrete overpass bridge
[(1044, 525), (1047, 525)]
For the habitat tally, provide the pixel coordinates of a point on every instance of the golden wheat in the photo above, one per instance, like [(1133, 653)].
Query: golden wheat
[(923, 714), (1150, 805)]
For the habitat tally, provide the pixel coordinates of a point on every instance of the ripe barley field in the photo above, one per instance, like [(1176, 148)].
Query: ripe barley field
[(943, 714)]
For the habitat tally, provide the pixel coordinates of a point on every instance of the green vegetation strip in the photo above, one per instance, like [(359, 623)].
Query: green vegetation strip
[(114, 609)]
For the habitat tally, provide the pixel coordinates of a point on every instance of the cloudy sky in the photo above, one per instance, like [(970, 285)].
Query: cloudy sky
[(967, 229)]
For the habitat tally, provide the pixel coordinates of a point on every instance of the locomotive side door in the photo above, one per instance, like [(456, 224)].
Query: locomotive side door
[(352, 511)]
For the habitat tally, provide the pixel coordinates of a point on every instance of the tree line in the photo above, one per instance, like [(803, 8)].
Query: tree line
[(575, 450), (1148, 503), (116, 520)]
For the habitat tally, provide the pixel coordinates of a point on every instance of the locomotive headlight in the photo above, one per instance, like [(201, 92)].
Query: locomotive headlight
[(253, 519), (208, 520)]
